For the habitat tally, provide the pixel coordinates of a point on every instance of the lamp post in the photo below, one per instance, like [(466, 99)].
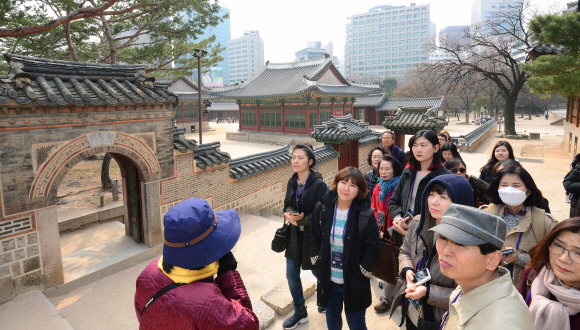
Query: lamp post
[(199, 53)]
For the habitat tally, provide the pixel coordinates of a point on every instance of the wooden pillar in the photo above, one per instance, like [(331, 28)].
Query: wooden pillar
[(377, 117), (307, 119), (400, 140), (318, 113), (239, 102), (283, 117), (258, 114)]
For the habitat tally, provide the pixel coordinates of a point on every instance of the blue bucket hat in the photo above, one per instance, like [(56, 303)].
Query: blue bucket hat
[(196, 236)]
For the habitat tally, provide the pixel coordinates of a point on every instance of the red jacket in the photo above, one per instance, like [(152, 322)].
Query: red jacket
[(220, 305), (378, 205)]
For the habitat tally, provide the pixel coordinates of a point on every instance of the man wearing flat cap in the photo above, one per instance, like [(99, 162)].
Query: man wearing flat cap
[(178, 291), (469, 249)]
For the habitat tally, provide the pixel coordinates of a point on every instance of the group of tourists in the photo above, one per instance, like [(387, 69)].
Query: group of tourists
[(474, 252)]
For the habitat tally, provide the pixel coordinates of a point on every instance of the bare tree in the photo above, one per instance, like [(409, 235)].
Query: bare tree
[(468, 92), (486, 50)]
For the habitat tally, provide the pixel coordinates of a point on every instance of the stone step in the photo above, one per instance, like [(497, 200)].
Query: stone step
[(32, 310)]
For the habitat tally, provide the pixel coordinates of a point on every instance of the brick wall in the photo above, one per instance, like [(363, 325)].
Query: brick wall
[(20, 265), (260, 194), (363, 155)]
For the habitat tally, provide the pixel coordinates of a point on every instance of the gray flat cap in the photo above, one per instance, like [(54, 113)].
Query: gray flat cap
[(471, 226)]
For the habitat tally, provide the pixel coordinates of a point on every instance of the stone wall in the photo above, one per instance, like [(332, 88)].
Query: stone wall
[(260, 194), (20, 265), (363, 156)]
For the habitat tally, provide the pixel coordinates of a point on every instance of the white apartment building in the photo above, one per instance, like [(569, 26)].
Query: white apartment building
[(246, 56), (387, 41)]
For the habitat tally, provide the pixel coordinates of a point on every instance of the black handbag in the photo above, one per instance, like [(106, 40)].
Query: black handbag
[(387, 267), (281, 238)]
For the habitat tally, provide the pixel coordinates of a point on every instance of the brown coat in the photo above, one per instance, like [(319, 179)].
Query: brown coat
[(528, 236)]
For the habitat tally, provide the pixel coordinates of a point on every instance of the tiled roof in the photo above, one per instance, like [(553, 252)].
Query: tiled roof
[(223, 107), (370, 139), (191, 95), (373, 100), (435, 103), (51, 82), (340, 130), (247, 166), (470, 138), (209, 154), (537, 49), (411, 120), (259, 163), (292, 79), (180, 142), (572, 7)]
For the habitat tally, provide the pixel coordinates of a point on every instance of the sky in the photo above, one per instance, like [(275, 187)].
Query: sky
[(286, 26)]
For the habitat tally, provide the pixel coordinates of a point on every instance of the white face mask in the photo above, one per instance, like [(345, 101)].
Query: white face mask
[(512, 196)]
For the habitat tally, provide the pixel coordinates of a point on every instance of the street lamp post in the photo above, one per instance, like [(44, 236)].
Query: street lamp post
[(199, 53)]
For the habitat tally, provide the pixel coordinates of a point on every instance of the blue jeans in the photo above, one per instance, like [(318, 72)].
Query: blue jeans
[(295, 284), (355, 320)]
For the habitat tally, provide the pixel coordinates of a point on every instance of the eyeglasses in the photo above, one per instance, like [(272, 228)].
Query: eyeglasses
[(461, 170), (558, 249)]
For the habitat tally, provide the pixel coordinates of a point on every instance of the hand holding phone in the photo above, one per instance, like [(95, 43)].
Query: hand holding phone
[(506, 252), (422, 277)]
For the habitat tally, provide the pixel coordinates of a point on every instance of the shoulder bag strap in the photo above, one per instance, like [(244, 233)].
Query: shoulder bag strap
[(160, 293), (539, 223)]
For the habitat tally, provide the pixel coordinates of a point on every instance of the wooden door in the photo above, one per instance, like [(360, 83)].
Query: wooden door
[(133, 186)]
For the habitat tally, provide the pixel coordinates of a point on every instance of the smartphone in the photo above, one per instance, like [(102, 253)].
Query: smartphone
[(415, 303), (408, 215), (422, 277), (506, 252)]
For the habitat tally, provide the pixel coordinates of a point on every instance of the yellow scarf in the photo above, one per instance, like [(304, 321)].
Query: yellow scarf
[(182, 275)]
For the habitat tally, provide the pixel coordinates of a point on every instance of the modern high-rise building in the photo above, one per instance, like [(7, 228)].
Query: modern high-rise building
[(314, 49), (219, 75), (454, 33), (246, 56), (387, 41)]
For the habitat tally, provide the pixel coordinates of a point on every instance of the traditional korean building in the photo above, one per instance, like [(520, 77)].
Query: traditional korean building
[(375, 107), (187, 109), (410, 120), (293, 97)]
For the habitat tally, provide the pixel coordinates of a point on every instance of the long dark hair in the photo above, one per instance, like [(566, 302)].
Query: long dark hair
[(539, 252), (431, 136), (487, 168), (535, 197), (454, 162), (309, 151), (575, 161)]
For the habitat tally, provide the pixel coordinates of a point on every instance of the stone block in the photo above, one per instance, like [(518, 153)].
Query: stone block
[(20, 242), (32, 250), (5, 258), (19, 254), (265, 314), (8, 245), (31, 264), (28, 281), (4, 270), (16, 270), (109, 214), (6, 288), (279, 297), (32, 238)]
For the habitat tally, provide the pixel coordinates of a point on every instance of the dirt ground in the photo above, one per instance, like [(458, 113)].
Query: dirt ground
[(80, 191)]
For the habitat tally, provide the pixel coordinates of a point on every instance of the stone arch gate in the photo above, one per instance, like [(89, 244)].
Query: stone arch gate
[(55, 114)]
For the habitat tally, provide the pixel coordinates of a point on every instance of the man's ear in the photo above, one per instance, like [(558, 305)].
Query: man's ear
[(493, 260), (437, 146)]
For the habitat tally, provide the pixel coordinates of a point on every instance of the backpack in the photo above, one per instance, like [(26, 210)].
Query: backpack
[(538, 221)]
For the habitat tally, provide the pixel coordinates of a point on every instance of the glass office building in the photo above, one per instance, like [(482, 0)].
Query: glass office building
[(387, 41)]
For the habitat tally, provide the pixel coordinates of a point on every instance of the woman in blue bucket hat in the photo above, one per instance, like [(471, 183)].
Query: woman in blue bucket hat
[(178, 290)]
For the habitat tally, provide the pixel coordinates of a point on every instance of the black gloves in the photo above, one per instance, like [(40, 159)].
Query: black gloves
[(227, 263)]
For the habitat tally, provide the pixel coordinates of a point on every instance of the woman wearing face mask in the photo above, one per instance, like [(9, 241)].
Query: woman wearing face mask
[(425, 163), (345, 245), (554, 293), (514, 194), (372, 176), (418, 252), (304, 189), (502, 151), (390, 172)]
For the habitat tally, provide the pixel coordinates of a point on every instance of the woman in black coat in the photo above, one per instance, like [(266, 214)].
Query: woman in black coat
[(345, 245), (572, 184), (304, 189)]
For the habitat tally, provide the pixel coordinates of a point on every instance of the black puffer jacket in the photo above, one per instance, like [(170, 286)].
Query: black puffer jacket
[(572, 186), (359, 251), (299, 247), (371, 178)]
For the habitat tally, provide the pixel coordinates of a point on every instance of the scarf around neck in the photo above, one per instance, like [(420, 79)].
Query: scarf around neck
[(387, 186), (550, 314), (182, 275)]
